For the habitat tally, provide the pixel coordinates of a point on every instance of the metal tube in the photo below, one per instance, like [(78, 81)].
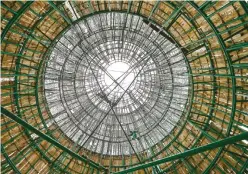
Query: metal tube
[(216, 144), (49, 139)]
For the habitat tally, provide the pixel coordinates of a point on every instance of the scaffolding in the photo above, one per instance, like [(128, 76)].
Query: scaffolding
[(98, 113), (179, 105)]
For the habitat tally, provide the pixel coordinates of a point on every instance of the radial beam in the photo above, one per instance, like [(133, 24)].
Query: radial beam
[(216, 144), (10, 162), (50, 140), (15, 18), (232, 76), (173, 15), (68, 20)]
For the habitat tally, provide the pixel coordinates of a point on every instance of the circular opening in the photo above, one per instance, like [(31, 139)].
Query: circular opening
[(133, 88), (217, 104), (119, 73)]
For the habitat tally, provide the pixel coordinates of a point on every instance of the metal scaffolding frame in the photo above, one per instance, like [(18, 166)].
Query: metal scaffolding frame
[(196, 41), (220, 143), (151, 104), (49, 139)]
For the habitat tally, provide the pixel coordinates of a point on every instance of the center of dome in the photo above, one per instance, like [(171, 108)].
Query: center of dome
[(119, 73), (112, 83)]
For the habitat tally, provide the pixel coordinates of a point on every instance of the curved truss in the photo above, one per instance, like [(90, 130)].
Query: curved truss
[(138, 107), (212, 37)]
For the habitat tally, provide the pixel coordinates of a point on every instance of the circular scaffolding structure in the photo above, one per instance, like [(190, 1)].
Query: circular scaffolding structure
[(124, 87)]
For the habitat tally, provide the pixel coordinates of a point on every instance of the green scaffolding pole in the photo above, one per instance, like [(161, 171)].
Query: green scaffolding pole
[(15, 18), (216, 144), (204, 6), (50, 140)]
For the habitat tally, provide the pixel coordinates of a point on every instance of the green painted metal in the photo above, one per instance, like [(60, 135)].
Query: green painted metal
[(7, 8), (17, 96), (232, 76), (139, 7), (212, 139), (237, 46), (188, 111), (202, 8), (60, 12), (244, 168), (220, 9), (244, 5), (15, 18), (173, 15), (155, 7), (214, 89), (216, 144), (50, 140), (37, 94), (38, 104), (192, 146), (12, 165)]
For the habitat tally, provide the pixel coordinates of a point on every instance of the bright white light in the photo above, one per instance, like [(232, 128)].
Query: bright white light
[(7, 79), (245, 141), (117, 71), (244, 128), (74, 13)]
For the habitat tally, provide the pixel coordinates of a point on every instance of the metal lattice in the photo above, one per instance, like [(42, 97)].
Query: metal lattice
[(96, 103), (181, 108)]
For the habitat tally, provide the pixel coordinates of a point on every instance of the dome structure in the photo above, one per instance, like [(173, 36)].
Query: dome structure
[(147, 87)]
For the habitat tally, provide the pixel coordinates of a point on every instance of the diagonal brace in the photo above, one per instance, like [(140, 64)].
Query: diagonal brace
[(51, 140), (216, 144)]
